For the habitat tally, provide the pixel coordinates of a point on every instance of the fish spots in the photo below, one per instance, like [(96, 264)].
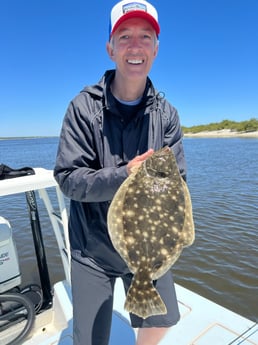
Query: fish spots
[(164, 251), (128, 213), (145, 234), (130, 240)]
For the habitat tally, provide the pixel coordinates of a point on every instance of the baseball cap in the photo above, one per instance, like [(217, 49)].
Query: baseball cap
[(126, 9)]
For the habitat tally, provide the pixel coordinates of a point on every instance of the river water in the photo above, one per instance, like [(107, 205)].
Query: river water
[(221, 265)]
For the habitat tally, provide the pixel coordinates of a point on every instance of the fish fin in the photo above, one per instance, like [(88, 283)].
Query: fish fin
[(144, 300), (188, 227)]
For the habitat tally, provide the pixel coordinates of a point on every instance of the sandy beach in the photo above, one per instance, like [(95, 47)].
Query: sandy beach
[(223, 133)]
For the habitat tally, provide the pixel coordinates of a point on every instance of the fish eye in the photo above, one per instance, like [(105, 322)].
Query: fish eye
[(161, 174), (157, 265)]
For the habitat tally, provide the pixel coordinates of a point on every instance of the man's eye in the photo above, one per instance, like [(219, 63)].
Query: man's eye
[(124, 37)]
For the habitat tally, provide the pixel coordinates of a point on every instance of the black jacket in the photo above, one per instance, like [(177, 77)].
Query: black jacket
[(95, 146)]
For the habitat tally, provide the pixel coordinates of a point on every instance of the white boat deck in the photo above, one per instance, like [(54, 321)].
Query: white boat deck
[(202, 322)]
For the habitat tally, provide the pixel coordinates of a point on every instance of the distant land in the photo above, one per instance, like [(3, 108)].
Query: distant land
[(243, 126), (29, 137), (225, 128)]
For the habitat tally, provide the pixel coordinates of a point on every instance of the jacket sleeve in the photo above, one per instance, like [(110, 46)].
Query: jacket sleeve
[(173, 137), (78, 171)]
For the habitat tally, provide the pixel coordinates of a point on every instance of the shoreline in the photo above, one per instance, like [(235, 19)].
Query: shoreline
[(223, 133)]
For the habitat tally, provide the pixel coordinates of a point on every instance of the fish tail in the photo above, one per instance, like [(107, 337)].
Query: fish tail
[(144, 300)]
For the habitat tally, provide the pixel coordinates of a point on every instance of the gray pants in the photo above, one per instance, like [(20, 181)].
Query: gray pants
[(92, 292)]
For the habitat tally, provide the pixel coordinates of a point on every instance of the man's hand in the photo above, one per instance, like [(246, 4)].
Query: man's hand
[(138, 160)]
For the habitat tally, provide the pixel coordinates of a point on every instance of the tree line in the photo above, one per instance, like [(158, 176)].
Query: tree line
[(243, 126)]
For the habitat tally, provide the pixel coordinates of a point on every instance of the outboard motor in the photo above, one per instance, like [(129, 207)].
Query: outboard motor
[(10, 276)]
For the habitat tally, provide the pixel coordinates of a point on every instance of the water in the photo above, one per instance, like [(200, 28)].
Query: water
[(222, 265)]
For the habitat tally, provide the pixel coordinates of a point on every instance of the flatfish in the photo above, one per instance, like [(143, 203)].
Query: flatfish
[(150, 221)]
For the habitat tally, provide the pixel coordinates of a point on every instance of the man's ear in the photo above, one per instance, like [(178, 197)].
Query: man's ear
[(156, 49), (110, 50)]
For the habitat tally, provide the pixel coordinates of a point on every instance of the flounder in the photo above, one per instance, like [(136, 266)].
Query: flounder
[(150, 222)]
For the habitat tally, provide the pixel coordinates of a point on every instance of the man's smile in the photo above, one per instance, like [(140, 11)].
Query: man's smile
[(135, 61)]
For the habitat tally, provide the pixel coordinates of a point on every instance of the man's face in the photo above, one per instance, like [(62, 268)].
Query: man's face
[(133, 48)]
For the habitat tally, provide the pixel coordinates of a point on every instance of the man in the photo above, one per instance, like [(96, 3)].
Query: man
[(108, 129)]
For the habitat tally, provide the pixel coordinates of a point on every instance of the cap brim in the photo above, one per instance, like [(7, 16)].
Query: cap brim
[(137, 14)]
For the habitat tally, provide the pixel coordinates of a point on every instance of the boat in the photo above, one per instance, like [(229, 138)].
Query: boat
[(42, 315)]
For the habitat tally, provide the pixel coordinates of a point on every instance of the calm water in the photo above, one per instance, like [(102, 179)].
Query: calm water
[(223, 180)]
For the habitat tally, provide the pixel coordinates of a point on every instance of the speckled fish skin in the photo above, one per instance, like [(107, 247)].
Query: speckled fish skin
[(150, 222)]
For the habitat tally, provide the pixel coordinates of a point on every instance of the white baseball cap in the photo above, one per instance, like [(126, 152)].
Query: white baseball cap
[(126, 9)]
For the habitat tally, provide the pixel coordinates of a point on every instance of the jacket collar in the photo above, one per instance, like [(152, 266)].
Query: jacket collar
[(102, 92)]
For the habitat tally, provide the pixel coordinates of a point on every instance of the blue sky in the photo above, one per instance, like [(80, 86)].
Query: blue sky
[(207, 64)]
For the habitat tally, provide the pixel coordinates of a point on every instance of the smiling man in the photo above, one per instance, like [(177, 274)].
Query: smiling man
[(108, 129), (133, 47)]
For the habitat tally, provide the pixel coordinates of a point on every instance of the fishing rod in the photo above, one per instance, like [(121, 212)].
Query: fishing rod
[(39, 247)]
